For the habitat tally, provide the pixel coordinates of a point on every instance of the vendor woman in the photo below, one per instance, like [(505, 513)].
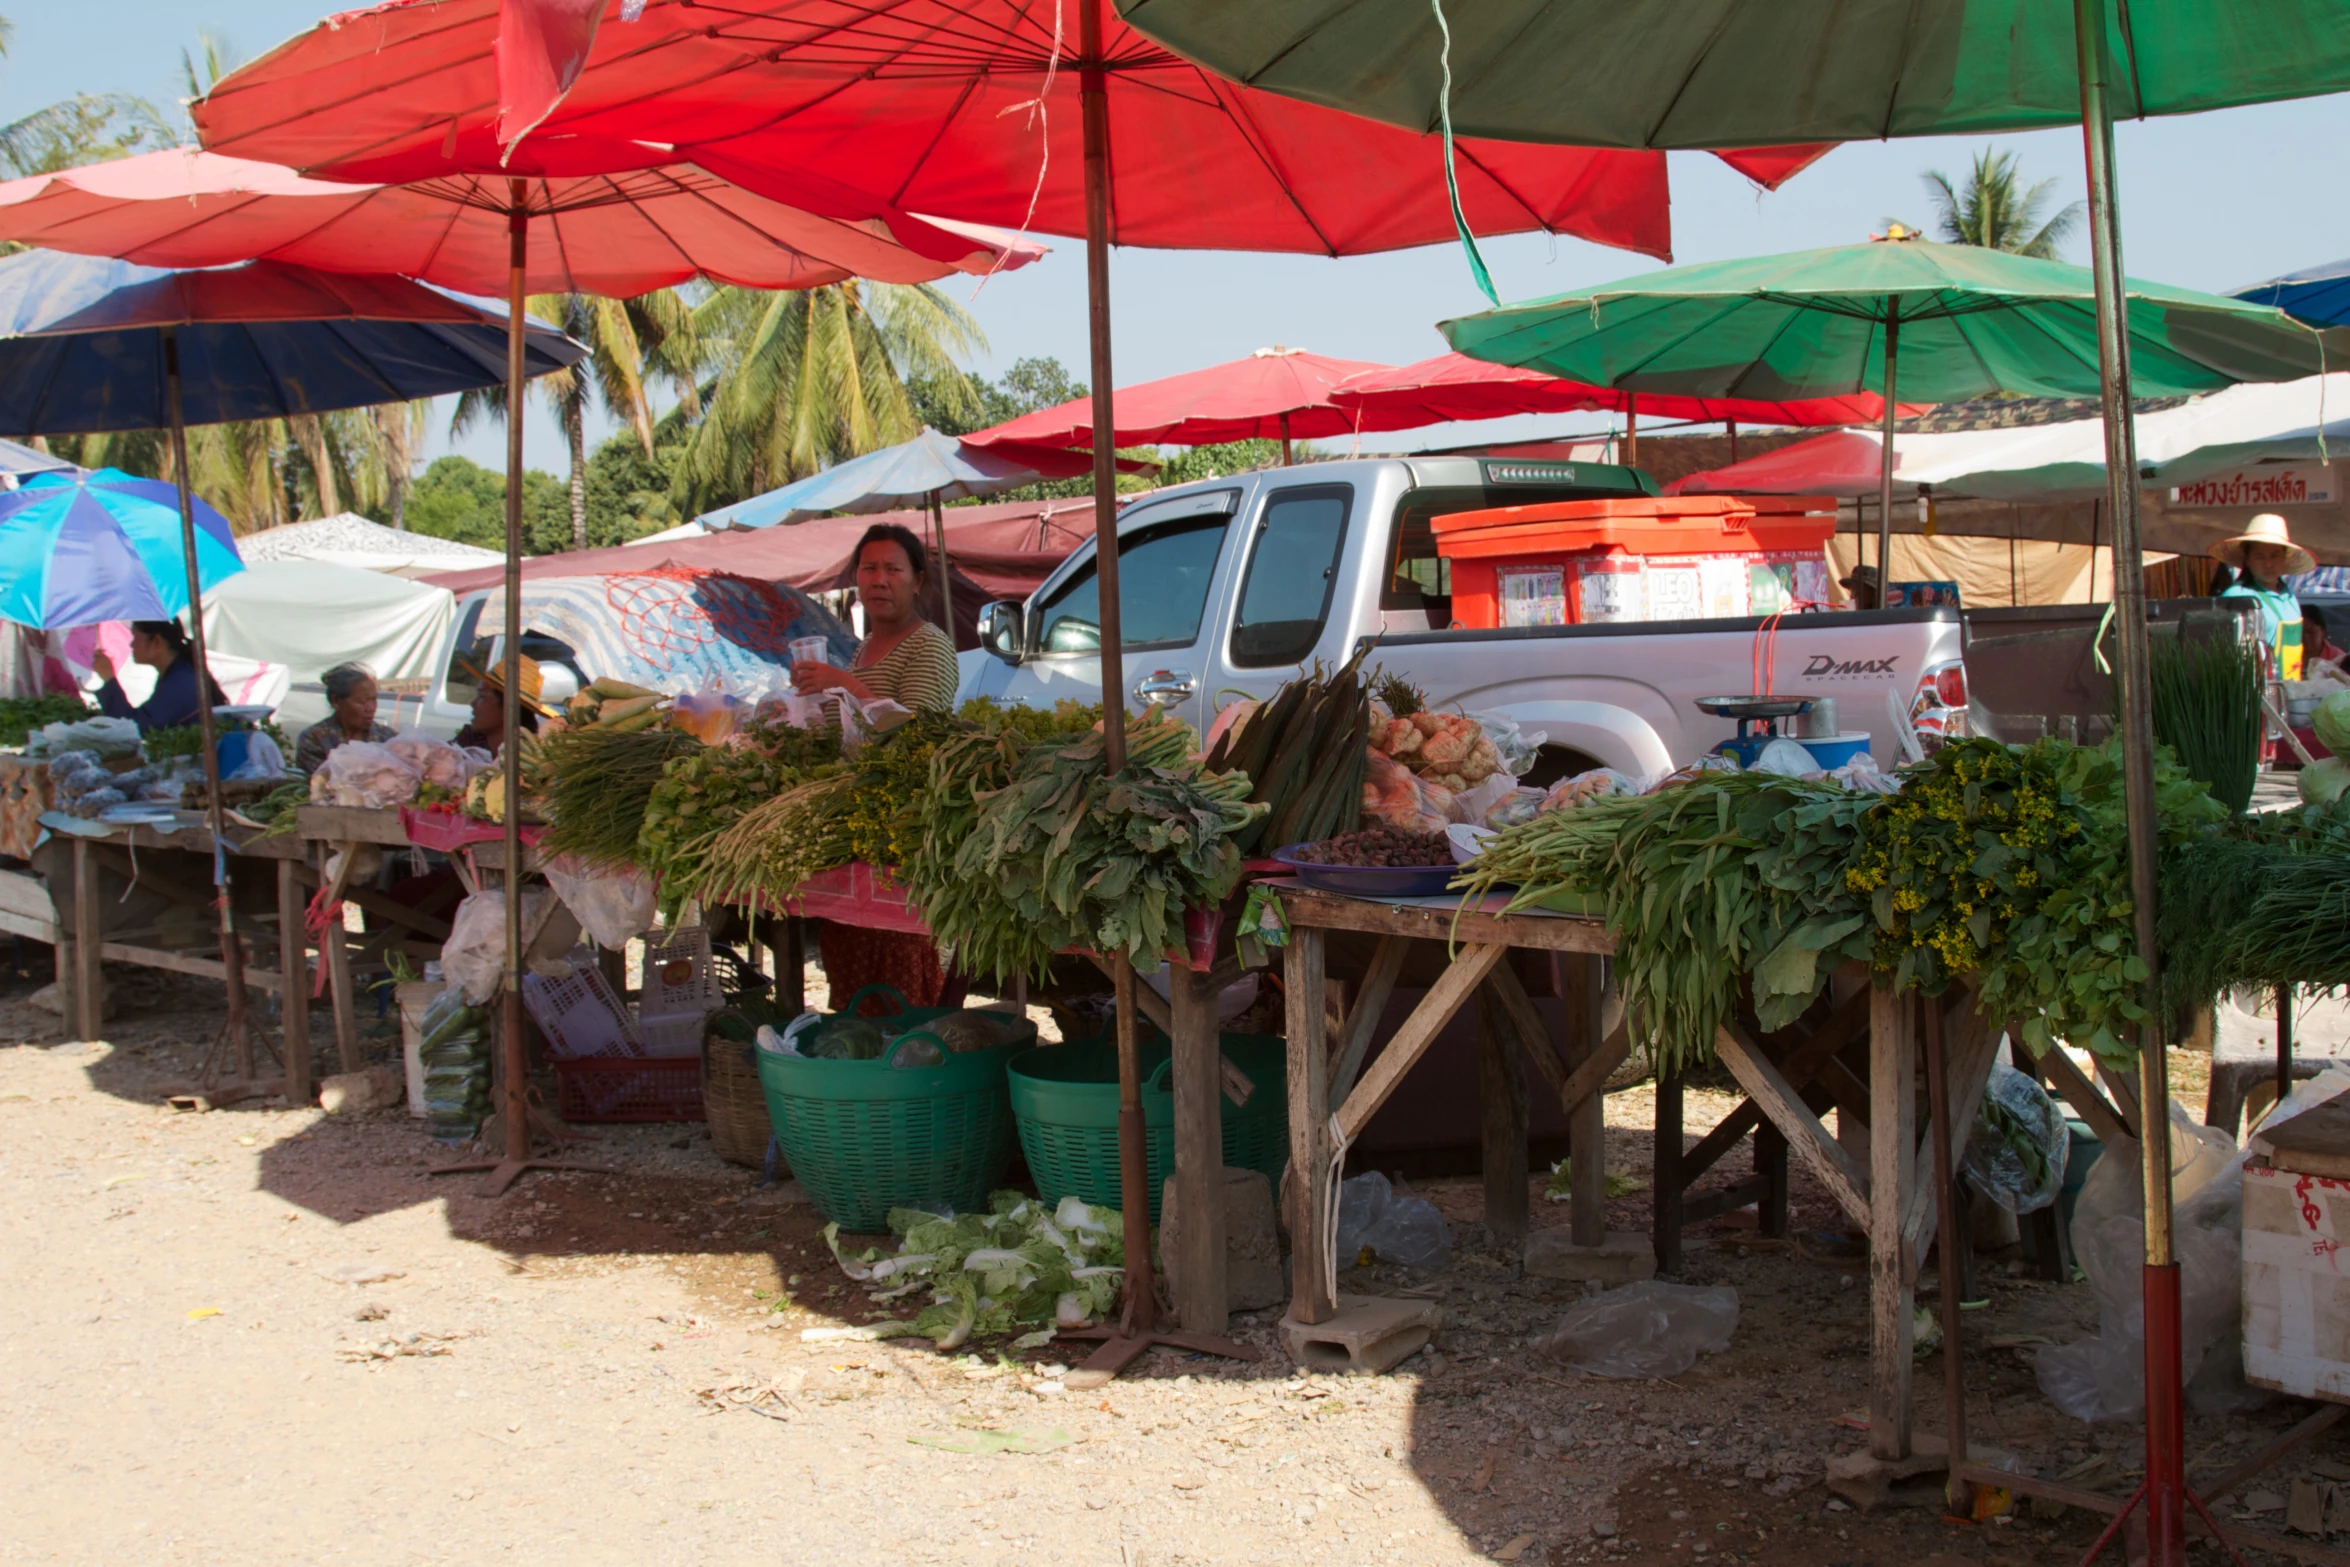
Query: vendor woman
[(904, 658), (2264, 554), (487, 732), (160, 645), (350, 699)]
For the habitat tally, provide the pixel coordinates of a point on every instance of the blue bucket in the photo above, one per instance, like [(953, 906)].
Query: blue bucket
[(232, 749), (1836, 750)]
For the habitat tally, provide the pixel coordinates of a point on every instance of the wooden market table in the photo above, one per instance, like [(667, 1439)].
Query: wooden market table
[(1790, 1078)]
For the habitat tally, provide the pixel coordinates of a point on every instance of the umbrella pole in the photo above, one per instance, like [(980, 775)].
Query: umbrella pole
[(1288, 457), (1731, 426), (1885, 462), (1631, 429), (946, 585), (2165, 1490), (239, 1028)]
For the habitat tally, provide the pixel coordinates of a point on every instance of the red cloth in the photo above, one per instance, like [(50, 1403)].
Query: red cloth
[(855, 957)]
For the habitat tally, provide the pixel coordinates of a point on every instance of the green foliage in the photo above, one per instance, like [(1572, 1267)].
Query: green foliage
[(993, 1273), (1996, 211), (457, 498), (2263, 901), (2206, 703), (1219, 461), (21, 715)]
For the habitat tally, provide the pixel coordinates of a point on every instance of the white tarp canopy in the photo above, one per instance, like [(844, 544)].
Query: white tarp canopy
[(348, 539), (310, 616)]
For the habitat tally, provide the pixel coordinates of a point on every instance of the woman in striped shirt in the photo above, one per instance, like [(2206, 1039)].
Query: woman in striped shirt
[(904, 658)]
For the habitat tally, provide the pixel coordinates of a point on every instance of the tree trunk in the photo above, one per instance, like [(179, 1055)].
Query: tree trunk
[(575, 426), (399, 498), (312, 434)]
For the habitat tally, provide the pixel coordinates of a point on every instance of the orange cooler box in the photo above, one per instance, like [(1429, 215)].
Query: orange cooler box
[(1636, 558)]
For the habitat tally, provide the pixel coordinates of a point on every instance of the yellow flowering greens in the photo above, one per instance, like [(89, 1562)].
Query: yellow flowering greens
[(2010, 866)]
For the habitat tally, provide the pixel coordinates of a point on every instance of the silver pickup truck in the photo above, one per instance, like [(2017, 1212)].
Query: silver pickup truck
[(1232, 586)]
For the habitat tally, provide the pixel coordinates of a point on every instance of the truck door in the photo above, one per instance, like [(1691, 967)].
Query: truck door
[(1167, 568), (1289, 582)]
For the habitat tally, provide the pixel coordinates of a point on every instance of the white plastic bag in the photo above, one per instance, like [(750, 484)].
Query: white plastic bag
[(1394, 1226), (1515, 746), (263, 760), (614, 904), (2015, 1155), (1648, 1329), (365, 775), (103, 737), (474, 956), (2103, 1376), (437, 762)]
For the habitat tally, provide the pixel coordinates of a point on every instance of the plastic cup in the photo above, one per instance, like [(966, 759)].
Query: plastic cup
[(809, 650)]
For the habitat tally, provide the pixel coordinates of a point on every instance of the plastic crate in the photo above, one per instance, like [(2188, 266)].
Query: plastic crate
[(667, 1038), (679, 976), (580, 1016), (629, 1089), (1065, 1098)]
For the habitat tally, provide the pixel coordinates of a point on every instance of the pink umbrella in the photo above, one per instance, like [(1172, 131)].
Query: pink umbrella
[(612, 234), (1280, 394)]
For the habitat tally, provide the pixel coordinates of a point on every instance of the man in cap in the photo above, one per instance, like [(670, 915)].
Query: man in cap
[(1863, 584)]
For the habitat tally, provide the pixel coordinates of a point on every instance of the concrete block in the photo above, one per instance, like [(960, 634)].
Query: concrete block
[(1369, 1333), (1626, 1257), (1253, 1276), (354, 1093)]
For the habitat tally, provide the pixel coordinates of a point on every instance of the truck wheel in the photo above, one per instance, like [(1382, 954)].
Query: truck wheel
[(1554, 762)]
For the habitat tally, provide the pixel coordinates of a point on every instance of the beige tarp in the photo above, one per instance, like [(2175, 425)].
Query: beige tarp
[(1992, 572)]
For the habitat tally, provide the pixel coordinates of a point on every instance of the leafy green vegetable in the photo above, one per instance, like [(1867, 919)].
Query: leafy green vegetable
[(21, 715), (1016, 1265)]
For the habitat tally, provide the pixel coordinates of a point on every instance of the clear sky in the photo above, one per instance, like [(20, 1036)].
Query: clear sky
[(2212, 201)]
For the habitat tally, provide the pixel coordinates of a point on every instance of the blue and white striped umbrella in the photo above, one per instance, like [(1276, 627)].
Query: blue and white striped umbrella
[(79, 548)]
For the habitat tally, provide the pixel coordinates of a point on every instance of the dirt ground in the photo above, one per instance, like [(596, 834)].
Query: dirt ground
[(269, 1334)]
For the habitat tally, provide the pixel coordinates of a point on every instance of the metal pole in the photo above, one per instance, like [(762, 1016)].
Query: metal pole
[(1142, 1293), (232, 954), (2166, 1466), (2284, 1042), (1885, 463), (946, 586), (1631, 429), (516, 1105), (1731, 425)]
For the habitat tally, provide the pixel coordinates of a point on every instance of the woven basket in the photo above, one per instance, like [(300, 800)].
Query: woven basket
[(733, 1101)]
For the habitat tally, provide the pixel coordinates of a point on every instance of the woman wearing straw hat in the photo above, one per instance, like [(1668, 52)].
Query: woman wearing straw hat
[(2264, 554), (488, 669)]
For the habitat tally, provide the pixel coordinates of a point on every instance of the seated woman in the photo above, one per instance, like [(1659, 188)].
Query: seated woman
[(350, 694), (904, 658), (160, 645), (487, 732)]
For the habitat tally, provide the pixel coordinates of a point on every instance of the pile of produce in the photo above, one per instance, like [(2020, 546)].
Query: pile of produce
[(21, 715), (842, 1037), (1380, 846), (1018, 1265), (597, 782), (614, 704), (2264, 901), (1304, 752), (700, 794), (2206, 703), (1451, 749)]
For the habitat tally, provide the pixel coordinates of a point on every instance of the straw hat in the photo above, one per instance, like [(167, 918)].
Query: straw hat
[(2267, 528), (493, 676)]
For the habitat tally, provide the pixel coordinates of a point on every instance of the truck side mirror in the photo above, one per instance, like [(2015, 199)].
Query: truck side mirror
[(1003, 629)]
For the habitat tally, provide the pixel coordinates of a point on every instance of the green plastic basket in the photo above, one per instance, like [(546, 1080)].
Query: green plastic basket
[(1066, 1100), (864, 1137)]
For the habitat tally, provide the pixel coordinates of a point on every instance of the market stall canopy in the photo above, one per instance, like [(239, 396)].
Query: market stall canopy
[(1454, 386), (1665, 73), (1994, 572), (670, 627), (82, 343), (80, 548), (2317, 295), (18, 462), (310, 615), (1276, 394), (931, 467), (592, 231), (962, 107), (348, 539)]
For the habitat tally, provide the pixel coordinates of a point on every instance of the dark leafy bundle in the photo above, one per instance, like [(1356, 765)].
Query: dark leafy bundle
[(21, 715), (700, 795), (1107, 862), (2011, 866), (2206, 699), (892, 770), (1728, 875), (164, 745), (2258, 902), (1304, 749), (779, 843), (966, 914), (597, 783), (800, 750)]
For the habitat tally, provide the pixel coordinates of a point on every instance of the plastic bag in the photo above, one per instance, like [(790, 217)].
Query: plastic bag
[(1470, 805), (365, 774), (1393, 1226), (1514, 809), (711, 714), (2103, 1376), (1648, 1329), (1395, 796), (614, 904), (1583, 788), (1861, 775), (1514, 747), (454, 1049), (437, 762), (474, 957), (2015, 1155), (102, 737), (263, 760)]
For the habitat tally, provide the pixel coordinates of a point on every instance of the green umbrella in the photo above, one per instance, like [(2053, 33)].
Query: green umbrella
[(1948, 322), (1739, 73)]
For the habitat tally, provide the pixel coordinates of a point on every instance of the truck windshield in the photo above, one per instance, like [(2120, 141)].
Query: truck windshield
[(1163, 577)]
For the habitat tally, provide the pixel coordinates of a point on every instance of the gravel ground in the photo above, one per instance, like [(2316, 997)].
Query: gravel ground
[(269, 1332)]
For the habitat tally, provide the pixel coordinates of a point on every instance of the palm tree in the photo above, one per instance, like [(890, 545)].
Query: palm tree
[(1995, 212), (399, 437), (807, 377)]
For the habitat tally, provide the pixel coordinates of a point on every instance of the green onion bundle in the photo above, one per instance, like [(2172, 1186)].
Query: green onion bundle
[(2206, 698)]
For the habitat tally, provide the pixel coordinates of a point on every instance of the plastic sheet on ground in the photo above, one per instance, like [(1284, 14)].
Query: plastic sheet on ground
[(2103, 1376), (1648, 1329), (1393, 1226), (2016, 1153)]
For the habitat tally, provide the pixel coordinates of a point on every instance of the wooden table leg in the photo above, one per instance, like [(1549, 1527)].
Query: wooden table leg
[(89, 978), (293, 966), (335, 952), (1501, 1096), (1581, 985), (1311, 1298), (1197, 1078), (791, 966), (1892, 1146), (1665, 1180), (1770, 1162)]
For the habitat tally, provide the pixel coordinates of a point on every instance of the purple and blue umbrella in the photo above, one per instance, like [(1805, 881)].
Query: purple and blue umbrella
[(79, 548)]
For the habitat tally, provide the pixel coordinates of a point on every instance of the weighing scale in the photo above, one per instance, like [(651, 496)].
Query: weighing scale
[(1758, 721)]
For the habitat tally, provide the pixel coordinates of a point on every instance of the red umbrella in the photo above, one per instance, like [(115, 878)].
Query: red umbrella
[(1277, 394), (1454, 386), (965, 107), (619, 234)]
